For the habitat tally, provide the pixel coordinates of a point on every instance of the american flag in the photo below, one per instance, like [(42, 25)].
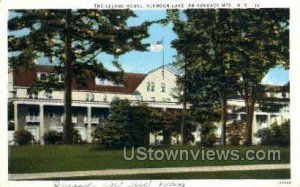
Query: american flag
[(157, 47)]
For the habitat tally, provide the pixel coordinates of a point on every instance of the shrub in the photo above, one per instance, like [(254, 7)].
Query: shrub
[(23, 137), (208, 137), (265, 136), (285, 128), (236, 132), (235, 139), (208, 140), (276, 135), (52, 137), (76, 136)]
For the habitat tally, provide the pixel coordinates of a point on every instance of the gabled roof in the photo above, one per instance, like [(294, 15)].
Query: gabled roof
[(27, 78), (168, 67)]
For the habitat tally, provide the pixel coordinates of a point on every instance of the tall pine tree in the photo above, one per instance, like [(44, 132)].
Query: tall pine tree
[(72, 39), (202, 42)]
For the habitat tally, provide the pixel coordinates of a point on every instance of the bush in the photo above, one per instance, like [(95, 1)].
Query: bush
[(52, 137), (208, 137), (265, 136), (276, 135), (125, 127), (76, 136), (235, 139), (23, 137), (208, 140)]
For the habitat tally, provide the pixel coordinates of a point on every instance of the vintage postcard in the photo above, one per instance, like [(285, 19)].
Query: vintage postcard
[(136, 93)]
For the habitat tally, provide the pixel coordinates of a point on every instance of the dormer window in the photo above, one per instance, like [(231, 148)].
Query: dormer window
[(106, 82), (44, 76)]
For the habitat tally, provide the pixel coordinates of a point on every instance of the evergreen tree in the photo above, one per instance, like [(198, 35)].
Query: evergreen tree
[(202, 43), (72, 39), (260, 43)]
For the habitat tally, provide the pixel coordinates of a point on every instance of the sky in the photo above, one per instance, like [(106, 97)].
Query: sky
[(143, 62)]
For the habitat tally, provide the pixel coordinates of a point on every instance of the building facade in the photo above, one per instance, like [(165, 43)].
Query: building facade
[(44, 111)]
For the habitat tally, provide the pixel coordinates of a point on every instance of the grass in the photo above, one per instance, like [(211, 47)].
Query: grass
[(257, 174), (33, 159)]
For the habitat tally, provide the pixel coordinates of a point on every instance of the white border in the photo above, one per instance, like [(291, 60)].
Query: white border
[(5, 5)]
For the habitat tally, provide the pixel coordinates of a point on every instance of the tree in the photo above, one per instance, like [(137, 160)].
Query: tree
[(232, 46), (72, 39), (128, 125), (202, 43), (260, 42)]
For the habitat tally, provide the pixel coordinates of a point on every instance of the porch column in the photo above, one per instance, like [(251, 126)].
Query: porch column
[(269, 120), (89, 123), (16, 116), (254, 128), (42, 124), (238, 116)]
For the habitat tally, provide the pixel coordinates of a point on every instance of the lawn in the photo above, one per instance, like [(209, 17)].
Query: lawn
[(257, 174), (32, 159)]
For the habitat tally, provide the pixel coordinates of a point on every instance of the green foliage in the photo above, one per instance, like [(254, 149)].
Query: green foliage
[(91, 32), (130, 125), (208, 137), (235, 139), (276, 135), (236, 132), (76, 137), (228, 50), (54, 137), (127, 125), (23, 137), (71, 40)]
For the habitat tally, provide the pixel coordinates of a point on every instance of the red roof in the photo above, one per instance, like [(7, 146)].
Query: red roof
[(26, 78)]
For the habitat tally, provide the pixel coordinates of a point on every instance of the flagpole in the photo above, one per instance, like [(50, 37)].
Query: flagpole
[(163, 57)]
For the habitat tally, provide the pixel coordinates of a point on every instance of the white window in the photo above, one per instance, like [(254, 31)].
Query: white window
[(148, 86), (152, 98), (51, 115), (32, 96), (48, 95), (105, 98), (89, 97), (163, 87), (92, 97), (152, 86), (139, 97)]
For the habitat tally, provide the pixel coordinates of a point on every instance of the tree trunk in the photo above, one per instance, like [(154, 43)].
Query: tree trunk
[(68, 127), (183, 123), (223, 99), (249, 103)]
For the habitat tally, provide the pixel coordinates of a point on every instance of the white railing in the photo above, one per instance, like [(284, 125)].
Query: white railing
[(32, 119), (82, 103), (94, 120), (74, 119)]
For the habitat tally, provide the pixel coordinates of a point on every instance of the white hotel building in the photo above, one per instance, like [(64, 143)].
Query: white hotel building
[(43, 112)]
